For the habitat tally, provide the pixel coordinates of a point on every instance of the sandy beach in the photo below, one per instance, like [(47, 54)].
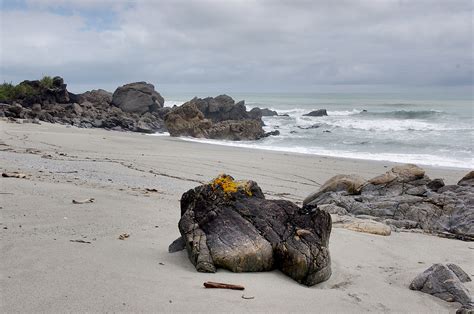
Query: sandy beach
[(43, 271)]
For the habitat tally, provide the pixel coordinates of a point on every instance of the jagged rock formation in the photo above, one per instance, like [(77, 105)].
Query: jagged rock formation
[(403, 197), (221, 108), (230, 224), (214, 118)]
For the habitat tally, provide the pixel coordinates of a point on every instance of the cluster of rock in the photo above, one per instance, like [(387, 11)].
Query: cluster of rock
[(136, 107), (403, 197), (447, 283), (229, 224), (216, 118), (133, 107)]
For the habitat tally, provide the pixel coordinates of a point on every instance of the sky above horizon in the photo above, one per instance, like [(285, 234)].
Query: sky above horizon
[(240, 45)]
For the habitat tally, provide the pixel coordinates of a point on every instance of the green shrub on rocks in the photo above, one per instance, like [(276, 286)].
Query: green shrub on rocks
[(10, 92)]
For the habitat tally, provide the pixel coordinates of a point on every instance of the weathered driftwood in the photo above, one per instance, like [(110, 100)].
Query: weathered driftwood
[(219, 285), (88, 200)]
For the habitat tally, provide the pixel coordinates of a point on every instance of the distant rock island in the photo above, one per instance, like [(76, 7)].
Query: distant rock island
[(135, 107)]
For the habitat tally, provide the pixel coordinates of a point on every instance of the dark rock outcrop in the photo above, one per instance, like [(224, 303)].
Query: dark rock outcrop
[(445, 282), (272, 133), (268, 112), (265, 112), (317, 113), (188, 120), (255, 114), (37, 91), (91, 109), (221, 108), (229, 224), (404, 197), (314, 126), (138, 97)]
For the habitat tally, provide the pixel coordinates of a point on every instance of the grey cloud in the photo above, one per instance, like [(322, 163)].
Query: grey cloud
[(285, 44)]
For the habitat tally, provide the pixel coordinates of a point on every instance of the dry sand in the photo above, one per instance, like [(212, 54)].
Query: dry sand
[(41, 270)]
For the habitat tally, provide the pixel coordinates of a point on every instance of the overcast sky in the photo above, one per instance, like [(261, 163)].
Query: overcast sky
[(240, 45)]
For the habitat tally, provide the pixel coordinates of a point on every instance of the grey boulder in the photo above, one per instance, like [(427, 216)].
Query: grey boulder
[(139, 97), (445, 282)]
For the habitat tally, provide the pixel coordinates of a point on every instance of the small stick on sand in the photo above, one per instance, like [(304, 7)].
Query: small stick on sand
[(80, 241), (89, 200), (210, 284)]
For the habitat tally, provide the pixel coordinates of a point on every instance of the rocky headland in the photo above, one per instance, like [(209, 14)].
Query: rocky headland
[(135, 107)]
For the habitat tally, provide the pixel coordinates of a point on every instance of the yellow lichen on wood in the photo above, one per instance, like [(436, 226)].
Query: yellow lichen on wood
[(229, 185)]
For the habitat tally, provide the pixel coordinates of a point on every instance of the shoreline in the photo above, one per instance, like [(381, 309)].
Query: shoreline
[(42, 270), (246, 145), (452, 174)]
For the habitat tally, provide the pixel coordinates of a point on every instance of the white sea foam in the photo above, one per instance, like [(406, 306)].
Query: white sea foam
[(421, 159), (344, 112), (387, 125), (160, 134), (171, 103), (384, 125)]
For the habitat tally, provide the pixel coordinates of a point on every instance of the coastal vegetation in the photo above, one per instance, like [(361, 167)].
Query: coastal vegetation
[(10, 92)]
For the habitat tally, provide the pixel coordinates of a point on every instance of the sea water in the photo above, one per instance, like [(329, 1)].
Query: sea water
[(422, 129)]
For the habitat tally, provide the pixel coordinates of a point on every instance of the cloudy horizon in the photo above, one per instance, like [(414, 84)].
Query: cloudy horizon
[(239, 45)]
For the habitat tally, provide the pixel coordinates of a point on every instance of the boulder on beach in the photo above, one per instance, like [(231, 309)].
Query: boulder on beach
[(360, 225), (404, 197), (351, 184), (188, 120), (445, 282), (138, 97), (229, 224), (317, 113)]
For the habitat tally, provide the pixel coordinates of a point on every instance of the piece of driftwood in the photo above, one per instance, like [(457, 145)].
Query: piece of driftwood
[(151, 190), (14, 175), (89, 200), (219, 285)]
